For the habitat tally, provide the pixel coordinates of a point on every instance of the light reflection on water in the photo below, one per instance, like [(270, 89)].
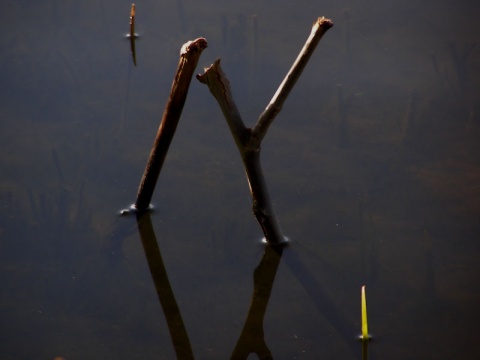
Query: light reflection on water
[(373, 167)]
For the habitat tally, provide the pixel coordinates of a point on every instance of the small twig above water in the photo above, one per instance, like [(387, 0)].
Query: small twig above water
[(132, 21), (132, 35)]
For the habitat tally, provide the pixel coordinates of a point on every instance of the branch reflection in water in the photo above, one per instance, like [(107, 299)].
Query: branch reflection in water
[(252, 337), (180, 339)]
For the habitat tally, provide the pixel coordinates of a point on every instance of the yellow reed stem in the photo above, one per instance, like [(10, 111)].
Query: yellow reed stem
[(365, 335)]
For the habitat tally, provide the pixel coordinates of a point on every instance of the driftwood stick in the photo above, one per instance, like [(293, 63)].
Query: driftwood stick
[(189, 55), (319, 28), (248, 141)]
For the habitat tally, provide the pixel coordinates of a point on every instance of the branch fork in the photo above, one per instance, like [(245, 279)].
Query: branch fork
[(249, 140)]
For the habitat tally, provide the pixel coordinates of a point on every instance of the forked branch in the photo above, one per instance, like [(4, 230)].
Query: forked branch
[(248, 141)]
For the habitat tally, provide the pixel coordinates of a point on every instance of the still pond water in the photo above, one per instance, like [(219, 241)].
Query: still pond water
[(373, 166)]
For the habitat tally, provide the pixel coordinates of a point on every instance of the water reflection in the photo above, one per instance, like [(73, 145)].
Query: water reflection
[(252, 337), (178, 333)]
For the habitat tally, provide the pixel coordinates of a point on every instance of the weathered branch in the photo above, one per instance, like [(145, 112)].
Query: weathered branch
[(248, 141), (132, 35), (219, 86), (189, 55)]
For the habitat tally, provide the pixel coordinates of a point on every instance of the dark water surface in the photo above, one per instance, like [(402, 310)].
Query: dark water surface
[(373, 165)]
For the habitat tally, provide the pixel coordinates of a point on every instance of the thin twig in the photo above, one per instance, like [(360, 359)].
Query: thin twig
[(132, 21), (189, 55), (132, 35)]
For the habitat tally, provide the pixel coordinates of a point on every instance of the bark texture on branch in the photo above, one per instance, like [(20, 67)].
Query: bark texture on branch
[(189, 55), (249, 140), (219, 86)]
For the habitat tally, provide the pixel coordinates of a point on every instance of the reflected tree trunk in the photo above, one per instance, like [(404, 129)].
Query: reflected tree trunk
[(132, 35)]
